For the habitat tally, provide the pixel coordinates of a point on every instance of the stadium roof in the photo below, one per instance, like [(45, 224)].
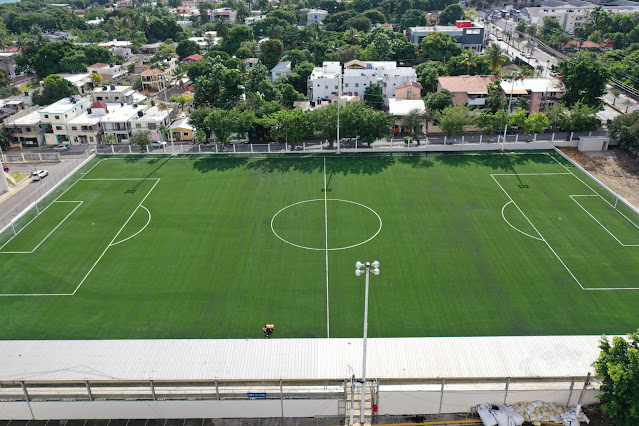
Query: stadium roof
[(298, 359)]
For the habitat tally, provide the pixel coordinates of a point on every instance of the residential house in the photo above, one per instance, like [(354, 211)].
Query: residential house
[(54, 118), (151, 119), (400, 108), (8, 63), (253, 19), (87, 127), (138, 68), (192, 58), (150, 48), (570, 14), (224, 13), (153, 80), (81, 81), (182, 130), (95, 22), (541, 93), (409, 90), (124, 3), (54, 36), (471, 90), (468, 34), (107, 71), (359, 75), (280, 70), (116, 94), (118, 47), (24, 128), (250, 62), (118, 122), (324, 82), (316, 16)]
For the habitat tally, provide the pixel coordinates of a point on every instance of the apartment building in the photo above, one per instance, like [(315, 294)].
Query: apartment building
[(541, 93), (81, 81), (468, 34), (324, 82), (107, 71), (87, 127), (54, 118), (24, 128), (153, 80), (116, 94), (316, 16), (151, 120), (570, 15), (224, 13), (118, 122), (471, 90)]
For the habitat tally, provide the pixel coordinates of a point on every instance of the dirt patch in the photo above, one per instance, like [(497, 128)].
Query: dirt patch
[(615, 168), (596, 416)]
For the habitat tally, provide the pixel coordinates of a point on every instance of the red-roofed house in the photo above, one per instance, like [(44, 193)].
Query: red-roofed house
[(577, 44), (152, 80), (192, 58), (467, 89)]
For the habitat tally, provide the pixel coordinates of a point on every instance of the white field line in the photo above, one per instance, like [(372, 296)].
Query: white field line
[(600, 224), (116, 235), (528, 174), (511, 225), (594, 192), (328, 333), (49, 234), (539, 233), (147, 224)]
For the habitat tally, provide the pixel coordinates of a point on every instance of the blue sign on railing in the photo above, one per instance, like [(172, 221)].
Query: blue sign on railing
[(256, 395)]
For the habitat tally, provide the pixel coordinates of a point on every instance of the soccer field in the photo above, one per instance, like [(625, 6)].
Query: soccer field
[(215, 247)]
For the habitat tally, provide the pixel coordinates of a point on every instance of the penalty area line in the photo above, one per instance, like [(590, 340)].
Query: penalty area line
[(328, 334), (114, 238)]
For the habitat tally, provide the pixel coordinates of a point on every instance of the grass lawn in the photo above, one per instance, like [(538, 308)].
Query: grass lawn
[(19, 177), (519, 244)]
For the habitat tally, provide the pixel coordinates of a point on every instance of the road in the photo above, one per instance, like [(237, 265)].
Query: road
[(547, 61)]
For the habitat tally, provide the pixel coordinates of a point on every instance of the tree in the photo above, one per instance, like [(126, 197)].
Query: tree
[(181, 100), (376, 16), (165, 51), (495, 57), (439, 46), (413, 123), (235, 37), (362, 5), (438, 101), (585, 80), (579, 118), (187, 48), (413, 18), (615, 93), (469, 58), (494, 101), (291, 125), (227, 124), (198, 120), (618, 369), (373, 96), (325, 120), (625, 129), (96, 79), (164, 132), (141, 139), (450, 14), (536, 122), (271, 52), (517, 118), (360, 23), (111, 138), (54, 89), (428, 74), (453, 119)]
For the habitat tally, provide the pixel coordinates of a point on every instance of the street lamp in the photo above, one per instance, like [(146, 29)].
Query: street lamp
[(169, 111), (514, 77), (359, 272), (339, 98)]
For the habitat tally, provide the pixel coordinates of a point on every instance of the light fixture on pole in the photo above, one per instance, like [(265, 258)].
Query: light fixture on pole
[(169, 112), (359, 272), (339, 99), (514, 77)]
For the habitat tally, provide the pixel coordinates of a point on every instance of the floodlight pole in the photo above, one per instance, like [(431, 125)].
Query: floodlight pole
[(510, 99), (4, 184), (339, 98), (358, 272), (169, 111)]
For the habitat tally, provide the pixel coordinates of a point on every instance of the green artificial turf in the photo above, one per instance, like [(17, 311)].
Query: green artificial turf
[(220, 246)]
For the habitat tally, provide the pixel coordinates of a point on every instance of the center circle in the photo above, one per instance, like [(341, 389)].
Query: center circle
[(310, 220)]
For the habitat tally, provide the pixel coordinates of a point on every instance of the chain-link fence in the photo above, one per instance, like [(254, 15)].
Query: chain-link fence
[(49, 189)]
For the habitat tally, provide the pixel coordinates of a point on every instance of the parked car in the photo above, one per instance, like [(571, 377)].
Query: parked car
[(158, 144), (39, 174), (5, 168), (61, 147)]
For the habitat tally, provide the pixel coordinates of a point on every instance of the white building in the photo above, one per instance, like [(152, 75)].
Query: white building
[(253, 19), (316, 16), (54, 118), (81, 81), (324, 82), (151, 119), (24, 128), (7, 63), (570, 16), (118, 47), (87, 127), (116, 94), (118, 122), (224, 13), (107, 71)]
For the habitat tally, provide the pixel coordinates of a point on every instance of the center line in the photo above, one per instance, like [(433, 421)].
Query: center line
[(328, 334)]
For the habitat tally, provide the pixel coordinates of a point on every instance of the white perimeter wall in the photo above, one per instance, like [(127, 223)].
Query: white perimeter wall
[(166, 409), (427, 402)]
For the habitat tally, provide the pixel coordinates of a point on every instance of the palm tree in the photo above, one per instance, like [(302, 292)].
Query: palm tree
[(469, 58), (222, 27), (164, 131), (495, 57), (615, 93), (352, 35), (110, 138), (627, 103), (179, 75)]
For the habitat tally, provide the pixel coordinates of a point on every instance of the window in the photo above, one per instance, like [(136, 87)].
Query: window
[(138, 126), (345, 84), (74, 128), (28, 129), (99, 98), (326, 86), (356, 84), (152, 126), (58, 127), (57, 117), (65, 116), (46, 116)]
